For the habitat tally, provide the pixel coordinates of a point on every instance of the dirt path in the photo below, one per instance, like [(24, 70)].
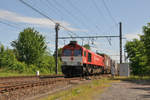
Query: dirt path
[(126, 91)]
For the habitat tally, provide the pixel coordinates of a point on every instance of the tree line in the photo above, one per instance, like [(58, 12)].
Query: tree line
[(29, 54), (139, 53)]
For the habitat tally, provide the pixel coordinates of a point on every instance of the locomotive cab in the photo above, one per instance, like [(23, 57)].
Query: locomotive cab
[(72, 59)]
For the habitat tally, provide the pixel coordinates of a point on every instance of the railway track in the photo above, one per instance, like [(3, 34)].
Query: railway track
[(21, 87), (8, 84), (8, 87), (18, 89)]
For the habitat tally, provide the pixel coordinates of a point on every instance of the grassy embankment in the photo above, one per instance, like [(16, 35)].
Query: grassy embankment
[(82, 92), (4, 73)]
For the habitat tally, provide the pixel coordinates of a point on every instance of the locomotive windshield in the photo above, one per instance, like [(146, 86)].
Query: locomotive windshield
[(67, 52), (77, 52)]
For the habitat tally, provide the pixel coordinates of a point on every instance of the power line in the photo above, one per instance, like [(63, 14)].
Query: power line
[(100, 12), (38, 11), (81, 13), (96, 6), (73, 6), (98, 9), (10, 25), (50, 3), (70, 13), (19, 25), (109, 12), (44, 15), (111, 27)]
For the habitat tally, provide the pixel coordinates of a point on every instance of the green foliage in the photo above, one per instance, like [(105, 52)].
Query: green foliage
[(136, 51), (29, 55), (7, 57), (18, 66), (146, 40), (30, 46), (139, 53), (87, 46), (59, 52), (8, 62)]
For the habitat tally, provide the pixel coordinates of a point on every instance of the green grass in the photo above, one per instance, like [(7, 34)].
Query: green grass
[(4, 73), (81, 92)]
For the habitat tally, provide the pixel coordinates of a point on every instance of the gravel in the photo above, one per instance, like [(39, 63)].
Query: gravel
[(126, 91)]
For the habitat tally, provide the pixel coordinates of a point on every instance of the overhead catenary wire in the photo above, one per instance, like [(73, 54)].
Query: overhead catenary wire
[(96, 6), (52, 6), (55, 8), (14, 23), (100, 14), (49, 17), (98, 9), (10, 25), (81, 13), (44, 15), (38, 11), (104, 50), (46, 5), (113, 19), (70, 13), (91, 37)]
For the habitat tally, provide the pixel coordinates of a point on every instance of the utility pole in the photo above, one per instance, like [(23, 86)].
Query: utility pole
[(125, 60), (120, 31), (56, 48)]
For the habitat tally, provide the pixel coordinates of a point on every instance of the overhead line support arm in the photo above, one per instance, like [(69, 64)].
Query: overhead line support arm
[(88, 37)]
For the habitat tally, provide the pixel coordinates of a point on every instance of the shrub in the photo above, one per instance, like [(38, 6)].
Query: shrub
[(18, 67)]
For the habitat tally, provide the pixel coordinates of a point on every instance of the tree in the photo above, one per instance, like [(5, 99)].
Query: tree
[(8, 60), (30, 46), (59, 52), (139, 53), (87, 46), (146, 39), (136, 55)]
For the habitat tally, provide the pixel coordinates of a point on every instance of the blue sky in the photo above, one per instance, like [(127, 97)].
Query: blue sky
[(83, 17)]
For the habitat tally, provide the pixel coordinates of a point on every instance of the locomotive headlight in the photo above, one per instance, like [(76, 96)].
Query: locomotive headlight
[(79, 63), (64, 63)]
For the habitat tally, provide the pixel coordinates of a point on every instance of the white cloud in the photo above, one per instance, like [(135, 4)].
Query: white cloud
[(42, 22), (131, 36)]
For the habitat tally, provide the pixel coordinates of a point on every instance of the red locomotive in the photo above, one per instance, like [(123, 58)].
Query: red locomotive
[(77, 60)]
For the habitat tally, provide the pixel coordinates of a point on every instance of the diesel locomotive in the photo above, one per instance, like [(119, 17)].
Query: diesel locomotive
[(79, 61)]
